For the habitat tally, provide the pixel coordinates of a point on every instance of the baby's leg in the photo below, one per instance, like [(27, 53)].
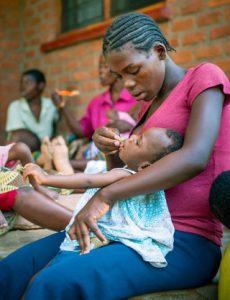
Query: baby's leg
[(60, 156)]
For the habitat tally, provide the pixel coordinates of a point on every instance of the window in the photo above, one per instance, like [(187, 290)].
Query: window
[(80, 13), (122, 6), (82, 20)]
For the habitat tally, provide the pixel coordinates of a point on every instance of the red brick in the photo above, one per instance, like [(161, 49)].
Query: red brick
[(46, 27), (213, 3), (173, 42), (227, 13), (164, 28), (56, 69), (90, 85), (35, 21), (193, 38), (228, 48), (43, 6), (208, 51), (192, 7), (9, 65), (87, 61), (72, 64), (182, 25), (8, 44), (224, 64), (81, 75), (182, 56), (94, 74), (96, 46), (28, 13), (220, 32), (63, 54), (209, 18), (30, 54), (12, 23), (30, 32)]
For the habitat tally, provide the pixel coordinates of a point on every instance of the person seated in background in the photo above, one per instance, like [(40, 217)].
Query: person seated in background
[(32, 112), (219, 200), (38, 205), (143, 222), (116, 116), (115, 97)]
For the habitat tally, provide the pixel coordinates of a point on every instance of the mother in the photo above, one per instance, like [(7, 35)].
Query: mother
[(194, 102)]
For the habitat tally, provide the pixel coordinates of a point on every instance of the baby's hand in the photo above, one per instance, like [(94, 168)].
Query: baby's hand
[(34, 172)]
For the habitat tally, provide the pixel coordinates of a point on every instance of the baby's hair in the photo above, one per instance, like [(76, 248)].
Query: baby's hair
[(219, 198), (137, 28), (36, 74), (177, 143)]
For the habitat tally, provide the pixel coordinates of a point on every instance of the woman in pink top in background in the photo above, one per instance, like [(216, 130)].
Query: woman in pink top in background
[(116, 97), (194, 102)]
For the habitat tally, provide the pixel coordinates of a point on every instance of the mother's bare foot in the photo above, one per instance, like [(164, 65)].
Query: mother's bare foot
[(60, 156)]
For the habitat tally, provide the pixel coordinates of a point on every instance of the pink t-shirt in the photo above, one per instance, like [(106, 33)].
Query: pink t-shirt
[(188, 201), (96, 111)]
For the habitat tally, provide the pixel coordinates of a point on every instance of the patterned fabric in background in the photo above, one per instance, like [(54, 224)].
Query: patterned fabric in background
[(9, 181)]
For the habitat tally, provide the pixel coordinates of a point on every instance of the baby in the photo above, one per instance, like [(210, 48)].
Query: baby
[(142, 222)]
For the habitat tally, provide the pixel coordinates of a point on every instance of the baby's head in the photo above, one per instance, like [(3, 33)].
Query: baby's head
[(219, 198), (140, 151)]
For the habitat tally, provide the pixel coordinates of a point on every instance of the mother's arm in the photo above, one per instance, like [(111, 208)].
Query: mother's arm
[(169, 171), (189, 161)]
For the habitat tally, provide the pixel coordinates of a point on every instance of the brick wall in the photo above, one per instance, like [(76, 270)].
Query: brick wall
[(10, 55), (199, 30)]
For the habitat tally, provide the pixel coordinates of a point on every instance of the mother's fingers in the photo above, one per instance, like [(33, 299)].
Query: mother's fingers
[(83, 237), (108, 149), (109, 133), (72, 233), (95, 229)]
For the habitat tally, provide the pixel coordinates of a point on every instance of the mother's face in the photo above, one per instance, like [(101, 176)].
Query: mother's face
[(143, 73)]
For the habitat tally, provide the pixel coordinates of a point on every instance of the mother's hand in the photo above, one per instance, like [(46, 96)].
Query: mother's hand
[(107, 140), (86, 221)]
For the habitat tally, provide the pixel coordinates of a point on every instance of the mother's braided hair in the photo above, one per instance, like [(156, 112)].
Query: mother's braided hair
[(137, 28)]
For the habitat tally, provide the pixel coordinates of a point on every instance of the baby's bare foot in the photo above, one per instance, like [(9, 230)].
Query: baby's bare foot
[(45, 159), (60, 156)]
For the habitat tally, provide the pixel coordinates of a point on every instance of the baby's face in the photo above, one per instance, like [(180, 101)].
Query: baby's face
[(139, 149)]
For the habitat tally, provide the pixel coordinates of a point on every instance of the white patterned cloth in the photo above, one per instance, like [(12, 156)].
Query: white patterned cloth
[(143, 223)]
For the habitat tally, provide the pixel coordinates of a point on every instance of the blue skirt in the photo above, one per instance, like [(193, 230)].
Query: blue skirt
[(110, 272)]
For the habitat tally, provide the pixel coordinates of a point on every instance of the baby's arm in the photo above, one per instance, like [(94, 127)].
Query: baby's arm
[(75, 181)]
